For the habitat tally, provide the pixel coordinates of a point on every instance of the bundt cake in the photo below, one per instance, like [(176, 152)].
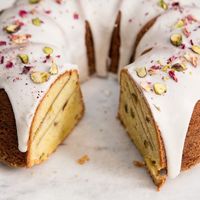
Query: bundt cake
[(159, 105), (40, 96)]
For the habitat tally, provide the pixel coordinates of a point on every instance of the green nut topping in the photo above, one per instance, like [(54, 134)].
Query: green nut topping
[(163, 4), (48, 50), (179, 67), (13, 28), (37, 21), (176, 39), (196, 49), (24, 58), (34, 1), (141, 72), (54, 69), (159, 88), (40, 77)]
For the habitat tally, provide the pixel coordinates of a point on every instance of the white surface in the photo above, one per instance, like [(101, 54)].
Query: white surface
[(109, 174)]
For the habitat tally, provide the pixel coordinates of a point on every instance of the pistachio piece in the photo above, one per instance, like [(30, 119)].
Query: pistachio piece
[(20, 39), (12, 28), (54, 69), (165, 68), (48, 50), (141, 72), (24, 58), (34, 1), (196, 49), (159, 88), (40, 77), (163, 4), (179, 67), (192, 58), (37, 21), (176, 39), (179, 24)]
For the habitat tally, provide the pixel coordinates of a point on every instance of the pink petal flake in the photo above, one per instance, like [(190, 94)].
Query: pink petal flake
[(23, 13), (172, 75), (3, 43), (76, 16), (9, 65)]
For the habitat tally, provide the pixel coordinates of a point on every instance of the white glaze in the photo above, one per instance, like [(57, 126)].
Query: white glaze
[(136, 14), (166, 26), (101, 16), (21, 90), (176, 106)]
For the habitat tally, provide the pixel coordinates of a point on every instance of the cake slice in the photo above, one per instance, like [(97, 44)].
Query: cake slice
[(40, 103), (159, 107)]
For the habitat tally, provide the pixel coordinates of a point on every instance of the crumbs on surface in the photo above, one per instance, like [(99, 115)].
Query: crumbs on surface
[(83, 160), (138, 164)]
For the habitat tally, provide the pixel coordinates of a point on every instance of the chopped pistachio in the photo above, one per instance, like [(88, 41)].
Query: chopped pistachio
[(176, 39), (163, 4), (179, 67), (48, 50), (54, 69), (40, 77), (34, 1), (13, 28), (160, 88), (24, 58), (141, 72), (20, 39), (166, 67), (37, 21), (179, 24), (192, 58), (196, 49)]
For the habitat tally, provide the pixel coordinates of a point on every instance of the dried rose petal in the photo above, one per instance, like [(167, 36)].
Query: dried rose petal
[(9, 65), (58, 1), (26, 69), (186, 32), (2, 60), (23, 13), (76, 16), (3, 43), (172, 75)]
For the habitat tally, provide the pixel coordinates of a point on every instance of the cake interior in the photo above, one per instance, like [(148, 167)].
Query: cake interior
[(56, 116), (136, 117)]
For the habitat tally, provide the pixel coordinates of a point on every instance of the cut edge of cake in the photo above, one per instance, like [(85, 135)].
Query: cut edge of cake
[(53, 121)]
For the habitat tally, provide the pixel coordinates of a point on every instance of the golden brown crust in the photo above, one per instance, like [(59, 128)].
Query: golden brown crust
[(145, 28), (90, 48), (114, 53), (9, 152), (191, 152)]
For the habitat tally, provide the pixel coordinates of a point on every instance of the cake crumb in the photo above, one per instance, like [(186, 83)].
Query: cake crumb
[(138, 164), (83, 160)]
